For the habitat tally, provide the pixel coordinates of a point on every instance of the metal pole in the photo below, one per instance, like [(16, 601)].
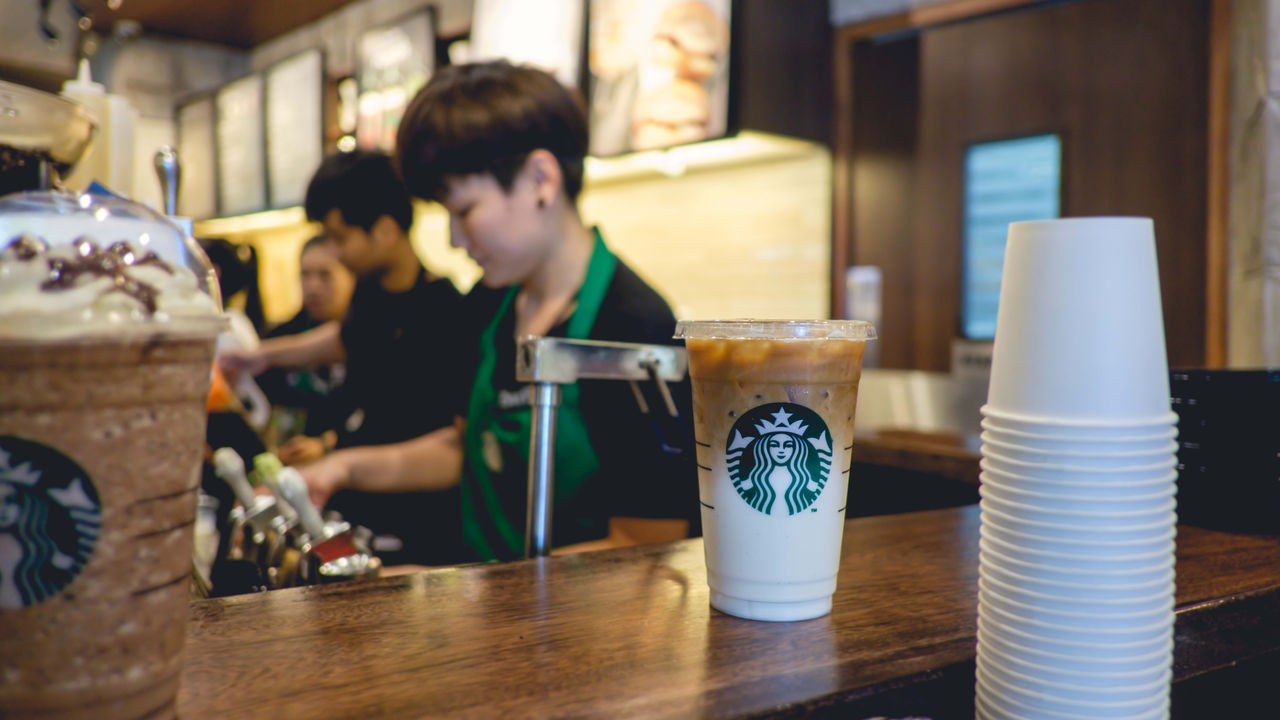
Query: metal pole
[(545, 399)]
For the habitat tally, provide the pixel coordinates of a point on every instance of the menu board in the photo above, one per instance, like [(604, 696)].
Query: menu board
[(546, 34), (198, 186), (242, 176), (659, 73), (1004, 181), (295, 126), (395, 61)]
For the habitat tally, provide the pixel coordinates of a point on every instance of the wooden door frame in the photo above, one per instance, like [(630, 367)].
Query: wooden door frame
[(1217, 245)]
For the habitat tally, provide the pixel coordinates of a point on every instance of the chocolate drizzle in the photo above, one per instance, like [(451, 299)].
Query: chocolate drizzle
[(27, 247), (90, 261)]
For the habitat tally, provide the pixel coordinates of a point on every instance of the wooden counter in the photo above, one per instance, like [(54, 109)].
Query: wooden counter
[(629, 633)]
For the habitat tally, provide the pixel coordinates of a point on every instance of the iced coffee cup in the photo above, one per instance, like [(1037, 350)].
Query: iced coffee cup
[(773, 409), (107, 349)]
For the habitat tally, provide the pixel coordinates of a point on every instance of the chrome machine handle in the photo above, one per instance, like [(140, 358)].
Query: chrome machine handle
[(547, 363)]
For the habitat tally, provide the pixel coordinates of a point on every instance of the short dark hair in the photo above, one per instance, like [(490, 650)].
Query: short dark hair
[(362, 186), (487, 118), (314, 242)]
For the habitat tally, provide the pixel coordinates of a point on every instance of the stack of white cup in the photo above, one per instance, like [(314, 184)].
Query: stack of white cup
[(1076, 562)]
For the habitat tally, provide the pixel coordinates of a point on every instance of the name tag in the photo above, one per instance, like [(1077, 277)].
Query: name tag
[(508, 399)]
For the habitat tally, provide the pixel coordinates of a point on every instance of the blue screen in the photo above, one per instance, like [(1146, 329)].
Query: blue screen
[(1004, 181)]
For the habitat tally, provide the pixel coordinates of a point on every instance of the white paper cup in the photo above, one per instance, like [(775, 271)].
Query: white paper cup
[(1083, 454), (1090, 621), (1155, 628), (1049, 682), (1150, 529), (1051, 497), (1090, 519), (1083, 565), (1155, 436), (997, 707), (1154, 465), (1086, 586), (1066, 704), (1084, 486), (1154, 598), (1079, 555), (1061, 427), (1082, 662), (1073, 644), (1059, 696), (773, 405), (1084, 475), (1080, 328)]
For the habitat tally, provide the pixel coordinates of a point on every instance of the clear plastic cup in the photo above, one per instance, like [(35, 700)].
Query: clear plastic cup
[(1056, 497), (1155, 436), (1084, 454), (773, 406), (1080, 329)]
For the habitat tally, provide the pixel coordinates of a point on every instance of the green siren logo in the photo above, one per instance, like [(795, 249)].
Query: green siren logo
[(779, 449), (49, 521)]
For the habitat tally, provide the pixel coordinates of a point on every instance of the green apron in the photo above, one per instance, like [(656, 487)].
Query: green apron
[(486, 526)]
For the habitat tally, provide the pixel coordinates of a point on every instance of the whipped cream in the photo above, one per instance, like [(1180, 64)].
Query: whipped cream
[(82, 289)]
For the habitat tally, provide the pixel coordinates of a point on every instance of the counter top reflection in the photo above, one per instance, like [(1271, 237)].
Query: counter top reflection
[(629, 633)]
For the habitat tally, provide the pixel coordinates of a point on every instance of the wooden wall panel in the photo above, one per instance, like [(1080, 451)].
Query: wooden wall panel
[(1123, 81)]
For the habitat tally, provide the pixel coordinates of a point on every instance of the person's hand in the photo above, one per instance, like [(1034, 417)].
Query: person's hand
[(326, 477), (300, 450), (234, 363)]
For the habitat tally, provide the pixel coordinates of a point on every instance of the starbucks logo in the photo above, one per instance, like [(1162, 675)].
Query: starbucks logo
[(779, 450), (49, 519)]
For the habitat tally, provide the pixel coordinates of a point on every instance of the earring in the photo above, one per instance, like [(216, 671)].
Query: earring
[(541, 203)]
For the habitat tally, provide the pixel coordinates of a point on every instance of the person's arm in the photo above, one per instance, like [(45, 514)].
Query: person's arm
[(320, 346), (426, 463)]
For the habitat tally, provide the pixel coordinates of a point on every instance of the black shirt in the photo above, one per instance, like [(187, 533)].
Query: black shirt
[(404, 359), (316, 391), (407, 372)]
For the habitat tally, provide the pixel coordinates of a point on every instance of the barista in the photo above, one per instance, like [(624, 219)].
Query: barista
[(307, 403), (502, 148), (398, 340)]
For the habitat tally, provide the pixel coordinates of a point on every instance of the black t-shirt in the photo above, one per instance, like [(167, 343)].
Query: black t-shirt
[(317, 391), (404, 360), (410, 358), (637, 476)]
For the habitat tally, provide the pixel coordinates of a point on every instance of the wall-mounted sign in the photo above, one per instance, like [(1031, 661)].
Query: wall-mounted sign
[(1004, 181), (543, 33), (395, 61), (659, 73), (197, 151), (295, 126), (241, 144)]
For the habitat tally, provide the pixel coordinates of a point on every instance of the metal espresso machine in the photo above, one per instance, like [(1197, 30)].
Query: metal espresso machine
[(546, 363)]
